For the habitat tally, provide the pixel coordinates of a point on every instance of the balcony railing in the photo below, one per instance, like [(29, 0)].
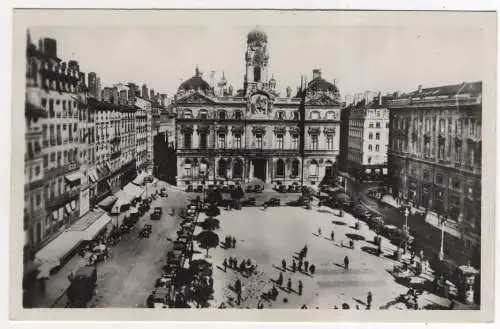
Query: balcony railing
[(61, 170), (53, 202)]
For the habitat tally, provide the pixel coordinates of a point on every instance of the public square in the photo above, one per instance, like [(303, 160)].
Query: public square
[(277, 233)]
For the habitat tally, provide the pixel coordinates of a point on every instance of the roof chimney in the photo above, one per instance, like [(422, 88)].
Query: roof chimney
[(379, 98), (419, 89), (316, 73)]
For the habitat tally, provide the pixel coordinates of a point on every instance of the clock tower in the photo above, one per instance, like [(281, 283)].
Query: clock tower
[(256, 61)]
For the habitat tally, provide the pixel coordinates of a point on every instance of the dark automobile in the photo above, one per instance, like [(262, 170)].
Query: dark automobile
[(249, 202), (157, 213), (281, 188), (258, 189), (199, 189), (249, 189), (377, 223), (146, 231), (189, 188), (301, 201), (273, 202)]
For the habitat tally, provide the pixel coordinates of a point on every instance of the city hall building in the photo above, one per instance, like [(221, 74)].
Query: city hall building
[(226, 137)]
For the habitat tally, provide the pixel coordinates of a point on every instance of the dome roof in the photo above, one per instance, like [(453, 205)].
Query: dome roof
[(256, 35), (320, 84), (195, 83)]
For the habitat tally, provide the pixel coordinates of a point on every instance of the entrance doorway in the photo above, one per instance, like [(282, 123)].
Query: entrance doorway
[(259, 170)]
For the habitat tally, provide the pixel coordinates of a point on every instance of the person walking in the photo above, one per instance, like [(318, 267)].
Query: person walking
[(300, 264), (312, 269), (260, 305), (305, 251), (369, 299), (346, 262), (280, 279), (306, 266), (294, 266), (224, 263), (332, 236), (237, 287), (274, 293), (289, 285), (301, 286), (283, 264), (319, 230), (234, 242)]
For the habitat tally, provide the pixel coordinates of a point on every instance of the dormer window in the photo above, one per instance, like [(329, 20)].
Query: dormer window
[(237, 115), (281, 115), (222, 115)]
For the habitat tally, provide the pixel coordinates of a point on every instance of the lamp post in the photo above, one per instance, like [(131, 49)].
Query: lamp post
[(406, 229), (441, 250)]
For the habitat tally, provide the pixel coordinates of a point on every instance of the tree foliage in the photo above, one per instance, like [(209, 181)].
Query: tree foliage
[(212, 211), (207, 240)]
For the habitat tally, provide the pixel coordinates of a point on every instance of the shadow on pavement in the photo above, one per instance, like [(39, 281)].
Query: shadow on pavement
[(356, 237), (336, 222), (370, 250)]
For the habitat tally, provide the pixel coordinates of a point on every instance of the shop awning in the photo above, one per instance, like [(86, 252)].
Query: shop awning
[(53, 253), (134, 190), (139, 180), (93, 230), (123, 199), (107, 203), (73, 178)]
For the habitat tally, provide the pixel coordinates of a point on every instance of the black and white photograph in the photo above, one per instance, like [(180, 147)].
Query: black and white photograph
[(224, 160)]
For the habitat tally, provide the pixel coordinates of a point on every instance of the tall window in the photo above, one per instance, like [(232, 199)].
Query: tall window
[(313, 169), (314, 142), (458, 153), (237, 115), (222, 115), (329, 142), (256, 74), (203, 114), (370, 125), (377, 125), (221, 169), (369, 160), (238, 169), (295, 141), (377, 147), (279, 141), (187, 140), (295, 168), (222, 140), (237, 140), (203, 169), (258, 138), (281, 115), (370, 147), (188, 170), (203, 141), (296, 115), (377, 136), (370, 136), (280, 168), (51, 108)]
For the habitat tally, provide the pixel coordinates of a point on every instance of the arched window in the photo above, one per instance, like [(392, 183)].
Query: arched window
[(256, 74), (330, 115), (221, 168), (314, 115), (203, 114), (203, 168), (370, 147), (377, 136), (281, 115), (238, 168), (313, 169), (369, 160), (295, 168), (187, 114), (280, 168), (237, 115), (370, 136)]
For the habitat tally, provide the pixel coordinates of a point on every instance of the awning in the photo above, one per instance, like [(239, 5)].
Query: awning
[(68, 208), (134, 190), (107, 203), (93, 230), (73, 204), (74, 178), (139, 180), (53, 253), (123, 199)]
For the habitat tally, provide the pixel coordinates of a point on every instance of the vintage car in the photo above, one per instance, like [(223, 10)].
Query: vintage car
[(249, 202), (146, 231), (273, 202), (157, 213)]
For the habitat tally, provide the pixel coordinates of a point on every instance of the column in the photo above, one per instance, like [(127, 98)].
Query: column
[(250, 176), (268, 174)]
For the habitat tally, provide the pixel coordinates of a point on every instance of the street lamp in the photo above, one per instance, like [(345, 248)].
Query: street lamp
[(406, 229), (441, 250)]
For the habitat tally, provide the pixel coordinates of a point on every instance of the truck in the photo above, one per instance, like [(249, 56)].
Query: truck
[(83, 286)]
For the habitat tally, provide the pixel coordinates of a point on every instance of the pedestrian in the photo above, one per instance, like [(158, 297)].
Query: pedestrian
[(237, 287), (234, 242), (224, 263), (280, 279), (304, 307), (319, 231), (369, 299), (301, 286), (357, 307), (289, 284), (260, 305), (305, 251), (300, 264), (346, 262), (283, 264), (312, 268), (274, 293), (332, 236), (294, 266), (306, 266)]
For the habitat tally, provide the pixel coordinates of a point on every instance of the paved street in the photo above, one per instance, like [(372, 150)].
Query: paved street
[(278, 233), (126, 279)]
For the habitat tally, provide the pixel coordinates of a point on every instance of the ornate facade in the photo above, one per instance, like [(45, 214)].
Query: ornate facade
[(435, 153), (223, 137)]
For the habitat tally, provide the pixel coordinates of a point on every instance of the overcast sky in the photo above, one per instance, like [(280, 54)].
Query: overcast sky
[(359, 58)]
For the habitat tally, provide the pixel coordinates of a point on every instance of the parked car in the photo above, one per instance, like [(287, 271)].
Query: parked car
[(249, 202), (157, 213), (163, 193), (258, 189), (199, 189), (189, 188), (273, 202), (281, 188), (301, 201), (377, 223), (146, 231)]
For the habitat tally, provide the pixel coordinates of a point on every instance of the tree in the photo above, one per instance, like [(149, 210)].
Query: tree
[(237, 194), (207, 240), (212, 211), (210, 224), (214, 197)]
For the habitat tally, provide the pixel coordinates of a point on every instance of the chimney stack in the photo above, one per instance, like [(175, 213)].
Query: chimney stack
[(379, 98), (145, 91), (316, 73), (419, 89)]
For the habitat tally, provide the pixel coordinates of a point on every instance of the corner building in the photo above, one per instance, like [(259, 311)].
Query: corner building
[(225, 137)]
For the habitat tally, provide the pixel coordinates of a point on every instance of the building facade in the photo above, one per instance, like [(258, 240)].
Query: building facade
[(368, 139), (56, 84), (227, 137), (435, 154), (143, 129)]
